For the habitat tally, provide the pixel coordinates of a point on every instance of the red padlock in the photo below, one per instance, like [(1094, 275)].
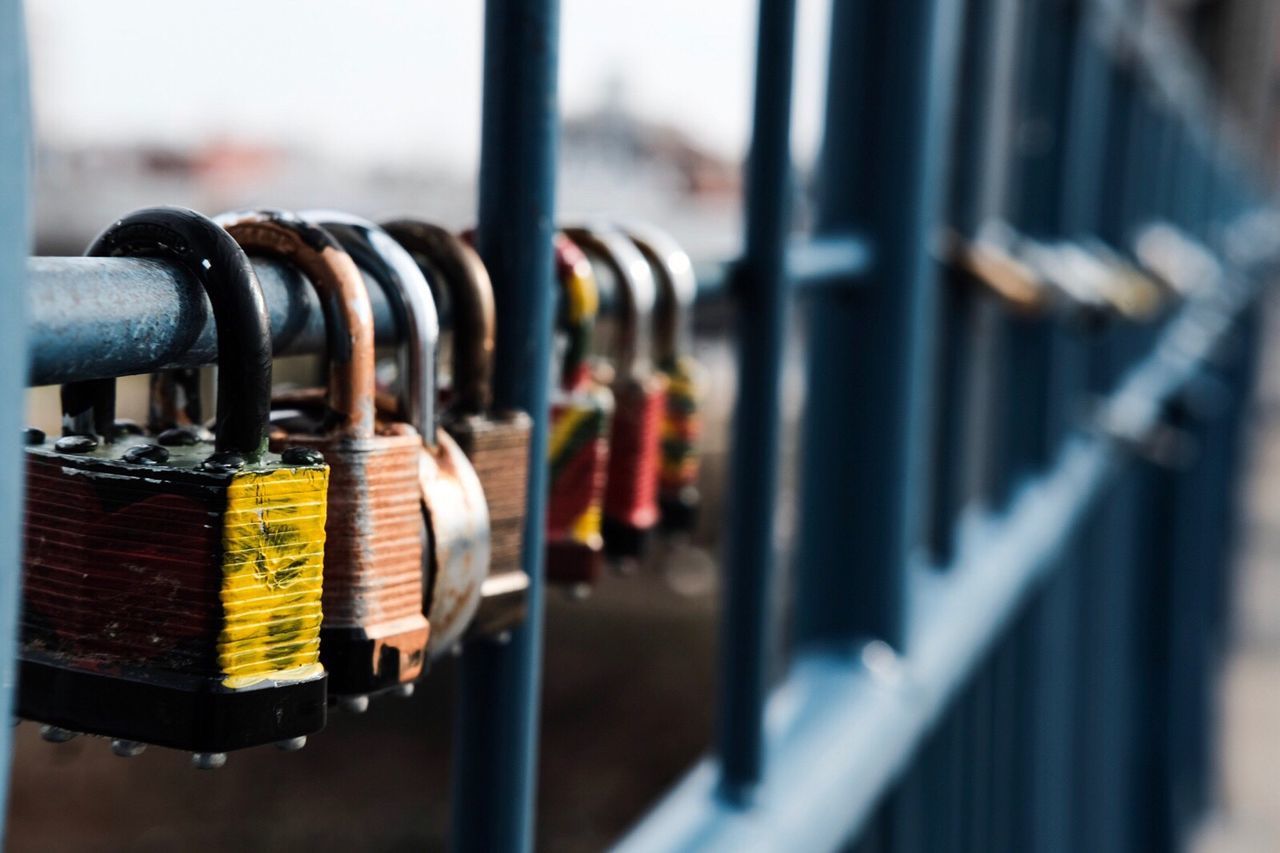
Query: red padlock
[(686, 379), (631, 493)]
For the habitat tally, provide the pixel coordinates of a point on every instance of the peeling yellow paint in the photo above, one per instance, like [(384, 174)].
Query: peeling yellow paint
[(272, 570)]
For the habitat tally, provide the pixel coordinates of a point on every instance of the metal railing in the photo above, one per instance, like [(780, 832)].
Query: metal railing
[(1007, 601)]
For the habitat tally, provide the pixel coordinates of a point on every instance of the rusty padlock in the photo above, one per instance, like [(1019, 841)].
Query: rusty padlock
[(374, 635), (172, 589), (581, 416), (453, 505), (677, 288), (631, 490), (497, 443)]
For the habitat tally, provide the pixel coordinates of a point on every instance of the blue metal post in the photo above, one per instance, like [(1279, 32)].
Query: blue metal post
[(864, 437), (495, 771), (1049, 666), (15, 144), (763, 306), (977, 193)]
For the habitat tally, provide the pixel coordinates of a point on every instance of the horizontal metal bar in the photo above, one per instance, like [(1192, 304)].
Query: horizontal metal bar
[(97, 317), (812, 262), (845, 722), (828, 260)]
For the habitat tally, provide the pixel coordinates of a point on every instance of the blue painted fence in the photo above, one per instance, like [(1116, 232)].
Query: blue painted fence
[(1010, 595)]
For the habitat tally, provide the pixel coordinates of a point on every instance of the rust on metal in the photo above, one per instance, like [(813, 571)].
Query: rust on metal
[(455, 508), (497, 443), (375, 631)]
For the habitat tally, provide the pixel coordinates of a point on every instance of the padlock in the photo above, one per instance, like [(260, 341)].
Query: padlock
[(631, 489), (581, 417), (172, 589), (452, 502), (677, 288), (989, 265), (497, 443), (374, 635)]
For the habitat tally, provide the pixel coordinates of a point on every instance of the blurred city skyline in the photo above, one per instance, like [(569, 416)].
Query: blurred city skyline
[(394, 84)]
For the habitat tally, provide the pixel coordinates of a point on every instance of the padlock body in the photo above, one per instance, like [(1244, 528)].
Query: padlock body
[(375, 632), (169, 604), (631, 494), (458, 564), (498, 448), (680, 462), (578, 451)]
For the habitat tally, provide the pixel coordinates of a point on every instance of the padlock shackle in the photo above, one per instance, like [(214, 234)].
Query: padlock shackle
[(347, 314), (636, 292), (677, 288), (447, 261), (216, 260), (579, 307), (397, 271)]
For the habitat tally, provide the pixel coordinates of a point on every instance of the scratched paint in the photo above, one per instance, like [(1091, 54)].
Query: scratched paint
[(273, 557)]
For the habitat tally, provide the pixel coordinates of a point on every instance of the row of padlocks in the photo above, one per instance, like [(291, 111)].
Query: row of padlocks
[(212, 585)]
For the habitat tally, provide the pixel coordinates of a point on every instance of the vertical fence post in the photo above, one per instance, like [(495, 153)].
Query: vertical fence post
[(496, 763), (763, 302), (864, 441), (15, 145)]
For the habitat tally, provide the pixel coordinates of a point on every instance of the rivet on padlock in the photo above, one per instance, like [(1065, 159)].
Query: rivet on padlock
[(677, 289), (631, 490), (497, 443), (181, 607), (578, 444), (452, 498), (374, 634)]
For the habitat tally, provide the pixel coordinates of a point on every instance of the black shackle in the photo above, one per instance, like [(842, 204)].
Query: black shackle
[(206, 251)]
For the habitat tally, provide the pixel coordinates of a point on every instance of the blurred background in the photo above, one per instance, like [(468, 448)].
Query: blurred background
[(375, 109)]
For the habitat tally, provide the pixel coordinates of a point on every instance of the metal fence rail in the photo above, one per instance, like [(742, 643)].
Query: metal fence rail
[(1009, 591)]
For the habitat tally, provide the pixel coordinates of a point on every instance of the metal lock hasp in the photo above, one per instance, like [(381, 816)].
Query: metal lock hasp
[(172, 589), (496, 443), (681, 433), (581, 417), (375, 634), (631, 490), (452, 499)]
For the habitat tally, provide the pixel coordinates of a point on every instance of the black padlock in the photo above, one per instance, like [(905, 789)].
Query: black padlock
[(172, 589)]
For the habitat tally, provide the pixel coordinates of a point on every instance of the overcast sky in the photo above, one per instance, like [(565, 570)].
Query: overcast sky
[(386, 80)]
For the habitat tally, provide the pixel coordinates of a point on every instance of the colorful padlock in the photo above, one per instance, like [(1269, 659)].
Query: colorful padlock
[(374, 635), (497, 443), (172, 590), (581, 417), (631, 492), (678, 495), (451, 496)]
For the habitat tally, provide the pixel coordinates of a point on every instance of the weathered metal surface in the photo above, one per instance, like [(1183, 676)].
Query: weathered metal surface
[(375, 632), (172, 592), (459, 520), (496, 443), (452, 499), (94, 317)]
